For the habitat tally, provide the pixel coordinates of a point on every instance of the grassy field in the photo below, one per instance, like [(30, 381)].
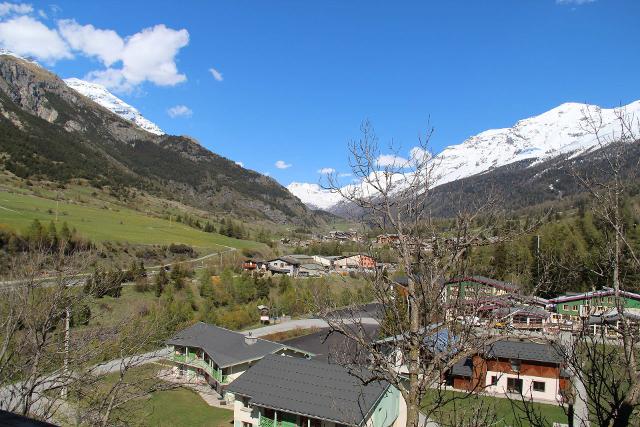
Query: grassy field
[(181, 407), (171, 407), (507, 414), (109, 223)]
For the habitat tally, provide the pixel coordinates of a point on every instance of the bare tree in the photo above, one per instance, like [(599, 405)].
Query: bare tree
[(50, 367), (428, 327), (604, 356)]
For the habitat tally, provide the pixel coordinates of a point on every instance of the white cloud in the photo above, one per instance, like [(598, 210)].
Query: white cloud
[(216, 74), (391, 160), (179, 111), (28, 37), (326, 171), (281, 164), (107, 45), (344, 174), (575, 2), (148, 55), (240, 164), (7, 8)]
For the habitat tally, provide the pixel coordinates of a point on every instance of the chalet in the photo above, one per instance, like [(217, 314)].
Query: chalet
[(281, 391), (217, 356), (322, 260), (435, 339), (610, 323), (284, 265), (350, 235), (387, 239), (531, 369), (251, 265), (312, 270), (523, 317), (357, 262), (574, 307)]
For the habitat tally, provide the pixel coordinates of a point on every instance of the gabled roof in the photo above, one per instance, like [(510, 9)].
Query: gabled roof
[(594, 294), (512, 349), (224, 347), (524, 350), (310, 388), (287, 259)]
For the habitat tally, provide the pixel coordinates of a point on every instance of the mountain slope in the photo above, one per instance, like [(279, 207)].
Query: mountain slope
[(48, 130), (550, 135), (100, 95)]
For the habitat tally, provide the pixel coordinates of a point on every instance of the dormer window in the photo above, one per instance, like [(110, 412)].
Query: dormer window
[(515, 365)]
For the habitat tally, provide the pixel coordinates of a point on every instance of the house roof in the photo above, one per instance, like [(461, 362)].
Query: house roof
[(594, 294), (309, 388), (313, 266), (287, 259), (464, 368), (528, 311), (524, 350), (224, 347), (512, 349)]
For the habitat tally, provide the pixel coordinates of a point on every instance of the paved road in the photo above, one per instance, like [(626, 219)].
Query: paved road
[(80, 279), (299, 324)]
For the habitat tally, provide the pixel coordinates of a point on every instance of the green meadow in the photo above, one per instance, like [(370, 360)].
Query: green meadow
[(108, 223)]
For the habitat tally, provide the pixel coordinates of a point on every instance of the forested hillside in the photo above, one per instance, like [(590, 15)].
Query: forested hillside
[(49, 131)]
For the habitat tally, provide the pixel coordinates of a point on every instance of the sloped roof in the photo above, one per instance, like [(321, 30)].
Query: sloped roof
[(594, 294), (309, 388), (512, 349), (525, 350), (224, 347)]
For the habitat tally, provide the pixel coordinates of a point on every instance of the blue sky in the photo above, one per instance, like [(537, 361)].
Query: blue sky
[(298, 77)]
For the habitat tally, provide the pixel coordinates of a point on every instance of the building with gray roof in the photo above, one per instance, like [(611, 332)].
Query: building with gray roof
[(218, 355), (533, 369), (301, 392)]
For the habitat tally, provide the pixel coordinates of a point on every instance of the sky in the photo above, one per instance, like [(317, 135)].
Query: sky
[(283, 86)]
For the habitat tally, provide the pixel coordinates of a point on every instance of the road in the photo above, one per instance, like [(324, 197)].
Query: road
[(300, 324), (80, 279)]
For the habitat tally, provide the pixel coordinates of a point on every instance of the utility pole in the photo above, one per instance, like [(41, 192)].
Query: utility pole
[(67, 330)]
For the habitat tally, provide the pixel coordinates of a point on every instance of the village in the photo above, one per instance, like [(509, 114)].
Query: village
[(293, 382)]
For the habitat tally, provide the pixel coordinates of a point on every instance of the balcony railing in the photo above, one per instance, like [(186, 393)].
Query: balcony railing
[(191, 360), (268, 422)]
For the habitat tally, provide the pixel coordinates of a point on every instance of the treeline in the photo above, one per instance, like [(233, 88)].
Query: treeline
[(566, 253), (41, 238)]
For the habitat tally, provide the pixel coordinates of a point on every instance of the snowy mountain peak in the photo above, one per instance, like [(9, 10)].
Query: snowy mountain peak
[(561, 130), (313, 195), (106, 99), (4, 51)]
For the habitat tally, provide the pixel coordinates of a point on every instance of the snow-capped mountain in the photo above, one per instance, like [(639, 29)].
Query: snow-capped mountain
[(560, 130), (313, 195), (106, 99)]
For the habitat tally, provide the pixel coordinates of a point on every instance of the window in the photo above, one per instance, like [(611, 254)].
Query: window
[(538, 386), (515, 365), (514, 385), (246, 424), (565, 307), (494, 380)]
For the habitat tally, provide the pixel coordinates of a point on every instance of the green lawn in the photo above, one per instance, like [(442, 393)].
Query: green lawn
[(181, 407), (109, 223), (506, 413)]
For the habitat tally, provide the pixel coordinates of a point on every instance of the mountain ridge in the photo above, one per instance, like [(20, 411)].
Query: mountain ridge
[(553, 133), (48, 130)]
